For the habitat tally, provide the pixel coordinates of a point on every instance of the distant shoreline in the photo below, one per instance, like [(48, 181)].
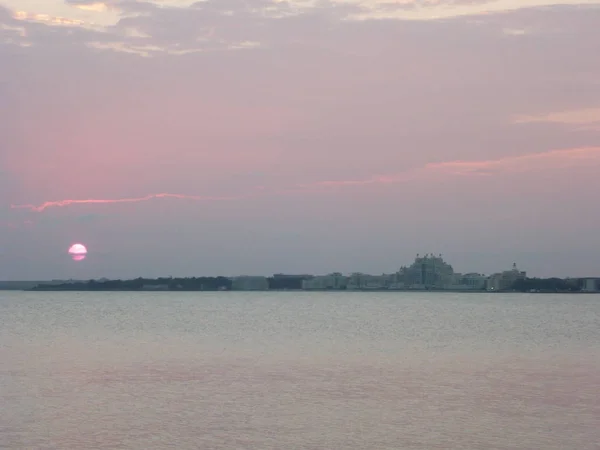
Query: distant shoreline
[(362, 291), (310, 283)]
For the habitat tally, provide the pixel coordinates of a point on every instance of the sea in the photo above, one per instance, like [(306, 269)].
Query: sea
[(299, 370)]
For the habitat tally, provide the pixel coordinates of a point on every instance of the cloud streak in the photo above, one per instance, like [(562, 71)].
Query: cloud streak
[(71, 202), (581, 119), (446, 9), (237, 23), (555, 159)]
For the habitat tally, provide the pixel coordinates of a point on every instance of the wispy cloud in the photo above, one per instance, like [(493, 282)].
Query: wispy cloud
[(179, 27), (148, 51), (19, 31), (556, 159), (47, 19), (515, 31), (525, 163), (98, 7), (424, 10), (71, 202), (588, 118), (89, 15)]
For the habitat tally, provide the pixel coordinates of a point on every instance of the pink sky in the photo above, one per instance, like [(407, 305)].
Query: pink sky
[(250, 137)]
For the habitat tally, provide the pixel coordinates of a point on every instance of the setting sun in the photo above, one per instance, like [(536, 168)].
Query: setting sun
[(78, 252)]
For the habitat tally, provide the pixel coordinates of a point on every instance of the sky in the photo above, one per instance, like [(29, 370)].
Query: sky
[(231, 137)]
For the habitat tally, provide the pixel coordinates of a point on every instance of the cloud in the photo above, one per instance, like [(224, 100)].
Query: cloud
[(98, 7), (47, 19), (71, 202), (581, 119), (515, 31), (123, 47), (87, 15), (426, 10), (395, 89), (552, 160), (153, 28), (180, 27), (17, 30), (556, 159)]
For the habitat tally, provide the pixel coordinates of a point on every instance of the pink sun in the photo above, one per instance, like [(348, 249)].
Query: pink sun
[(78, 252)]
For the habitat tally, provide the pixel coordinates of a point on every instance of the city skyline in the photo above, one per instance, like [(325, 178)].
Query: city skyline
[(174, 137), (79, 255)]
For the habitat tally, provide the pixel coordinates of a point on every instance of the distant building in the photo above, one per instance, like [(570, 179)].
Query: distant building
[(590, 284), (249, 283), (360, 281), (428, 272), (469, 281), (291, 276), (425, 273), (504, 280), (325, 282), (285, 281)]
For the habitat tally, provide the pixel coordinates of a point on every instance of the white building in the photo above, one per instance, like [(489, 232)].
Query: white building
[(590, 284), (469, 281), (365, 281), (504, 280), (323, 282)]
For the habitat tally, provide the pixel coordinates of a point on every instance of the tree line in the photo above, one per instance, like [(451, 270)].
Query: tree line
[(274, 283), (171, 284), (546, 285)]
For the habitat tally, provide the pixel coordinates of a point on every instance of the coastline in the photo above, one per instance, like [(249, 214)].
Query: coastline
[(362, 291)]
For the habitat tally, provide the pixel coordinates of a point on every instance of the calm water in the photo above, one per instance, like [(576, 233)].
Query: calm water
[(299, 371)]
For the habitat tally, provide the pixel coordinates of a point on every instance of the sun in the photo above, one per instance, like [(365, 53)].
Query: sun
[(78, 252)]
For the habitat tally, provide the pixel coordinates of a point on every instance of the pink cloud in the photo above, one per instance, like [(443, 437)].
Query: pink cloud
[(70, 202), (555, 159), (580, 119)]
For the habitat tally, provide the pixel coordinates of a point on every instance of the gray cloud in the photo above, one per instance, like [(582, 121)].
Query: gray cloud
[(214, 25)]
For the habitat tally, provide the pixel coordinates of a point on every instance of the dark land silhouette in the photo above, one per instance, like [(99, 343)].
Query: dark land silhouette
[(547, 285)]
